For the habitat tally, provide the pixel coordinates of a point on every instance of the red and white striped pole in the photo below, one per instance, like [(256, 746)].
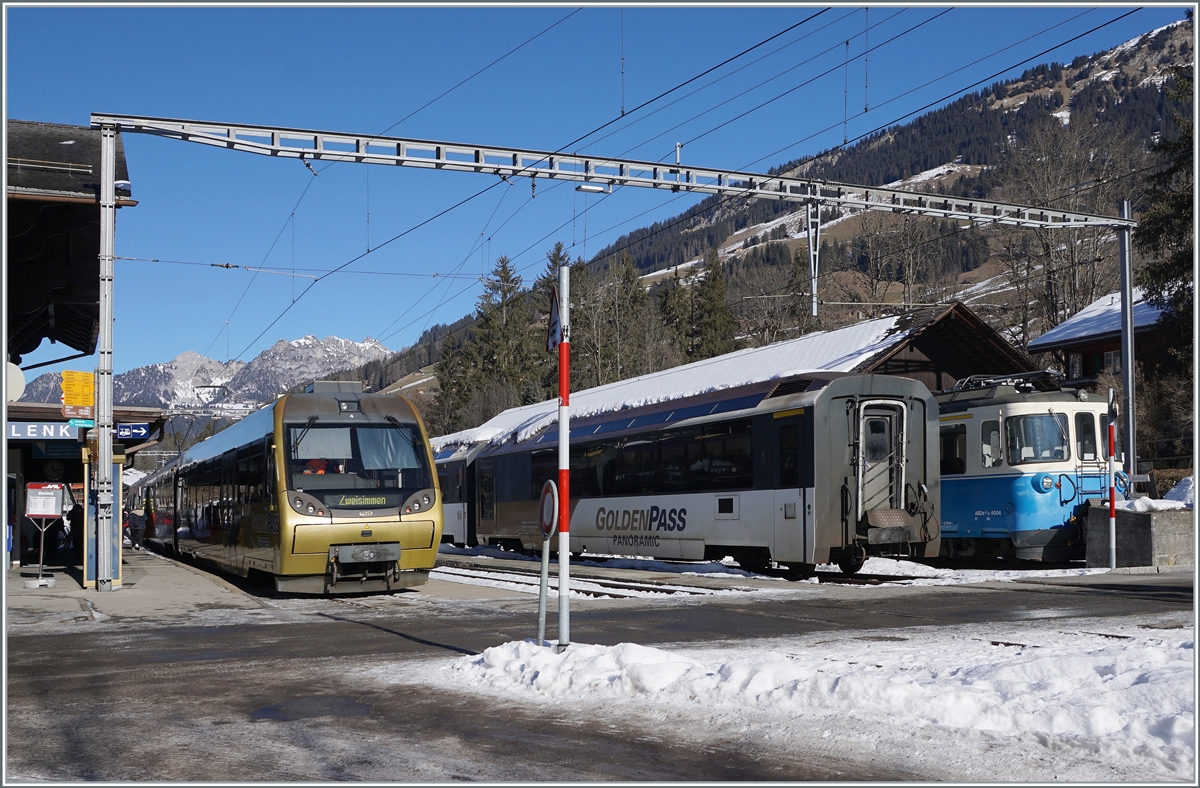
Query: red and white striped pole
[(564, 458), (1112, 483)]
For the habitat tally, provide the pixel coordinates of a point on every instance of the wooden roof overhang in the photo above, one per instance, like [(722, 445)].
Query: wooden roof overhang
[(959, 341)]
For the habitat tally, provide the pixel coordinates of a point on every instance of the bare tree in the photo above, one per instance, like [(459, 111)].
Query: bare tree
[(1082, 167)]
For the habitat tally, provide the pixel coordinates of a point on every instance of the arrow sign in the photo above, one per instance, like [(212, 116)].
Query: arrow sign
[(126, 431)]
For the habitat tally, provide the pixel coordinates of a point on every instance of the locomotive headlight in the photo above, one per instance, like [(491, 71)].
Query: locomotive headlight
[(311, 508), (425, 499), (299, 503), (1046, 483)]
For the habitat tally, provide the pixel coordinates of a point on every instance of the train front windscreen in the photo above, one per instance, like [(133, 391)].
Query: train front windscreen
[(374, 466)]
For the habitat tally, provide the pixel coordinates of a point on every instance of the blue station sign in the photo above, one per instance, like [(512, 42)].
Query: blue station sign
[(130, 431)]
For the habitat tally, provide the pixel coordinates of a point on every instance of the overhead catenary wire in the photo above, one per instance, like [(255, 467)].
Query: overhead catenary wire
[(489, 188), (666, 226), (385, 131), (333, 271)]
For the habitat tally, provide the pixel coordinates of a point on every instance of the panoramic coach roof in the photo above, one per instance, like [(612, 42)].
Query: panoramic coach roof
[(873, 346)]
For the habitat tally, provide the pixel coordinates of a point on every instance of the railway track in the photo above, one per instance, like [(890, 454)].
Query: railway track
[(597, 588), (591, 585)]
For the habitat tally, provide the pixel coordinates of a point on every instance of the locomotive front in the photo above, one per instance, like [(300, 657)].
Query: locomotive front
[(361, 511)]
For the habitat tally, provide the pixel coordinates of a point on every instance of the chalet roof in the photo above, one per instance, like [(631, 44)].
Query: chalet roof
[(56, 160), (53, 245), (862, 347), (1099, 321)]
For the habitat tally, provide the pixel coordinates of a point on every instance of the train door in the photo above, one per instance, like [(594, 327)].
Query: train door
[(227, 503), (790, 521), (882, 455), (454, 508)]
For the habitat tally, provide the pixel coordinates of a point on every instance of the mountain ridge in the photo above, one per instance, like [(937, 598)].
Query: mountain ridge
[(191, 380)]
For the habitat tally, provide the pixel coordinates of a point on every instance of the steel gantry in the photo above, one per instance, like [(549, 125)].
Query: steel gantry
[(507, 162)]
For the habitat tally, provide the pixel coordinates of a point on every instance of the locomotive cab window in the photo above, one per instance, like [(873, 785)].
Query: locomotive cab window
[(1085, 436), (353, 467), (1037, 438), (954, 449), (992, 452), (1104, 436)]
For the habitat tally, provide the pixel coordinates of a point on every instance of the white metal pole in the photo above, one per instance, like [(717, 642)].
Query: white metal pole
[(543, 591), (564, 458), (1112, 483), (813, 223), (1127, 355), (103, 461)]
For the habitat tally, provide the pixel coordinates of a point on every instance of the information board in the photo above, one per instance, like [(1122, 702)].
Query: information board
[(43, 499)]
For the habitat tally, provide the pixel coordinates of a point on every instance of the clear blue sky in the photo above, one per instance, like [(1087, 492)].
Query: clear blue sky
[(364, 69)]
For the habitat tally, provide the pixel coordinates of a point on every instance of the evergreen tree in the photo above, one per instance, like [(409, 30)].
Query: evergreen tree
[(1166, 232), (713, 326), (505, 343), (675, 312), (626, 313)]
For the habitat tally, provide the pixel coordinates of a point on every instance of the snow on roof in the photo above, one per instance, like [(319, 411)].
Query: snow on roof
[(1101, 317), (842, 350)]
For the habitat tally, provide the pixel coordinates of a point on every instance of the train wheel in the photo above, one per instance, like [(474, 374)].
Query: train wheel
[(852, 560)]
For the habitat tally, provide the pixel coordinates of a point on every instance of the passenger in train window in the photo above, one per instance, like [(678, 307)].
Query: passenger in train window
[(316, 465)]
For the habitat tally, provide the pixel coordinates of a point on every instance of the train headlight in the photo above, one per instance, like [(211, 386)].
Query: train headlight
[(299, 503), (1046, 483), (425, 499), (311, 509)]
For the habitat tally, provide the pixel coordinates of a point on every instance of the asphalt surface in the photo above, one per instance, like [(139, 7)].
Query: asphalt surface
[(186, 675)]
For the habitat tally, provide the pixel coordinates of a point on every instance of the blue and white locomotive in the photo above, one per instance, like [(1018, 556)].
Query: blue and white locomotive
[(1020, 458)]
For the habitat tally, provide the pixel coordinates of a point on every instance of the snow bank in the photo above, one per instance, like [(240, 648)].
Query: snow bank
[(1119, 695), (1184, 491), (1151, 505)]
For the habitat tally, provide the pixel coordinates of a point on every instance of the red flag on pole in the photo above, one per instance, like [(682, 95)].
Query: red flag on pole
[(554, 330)]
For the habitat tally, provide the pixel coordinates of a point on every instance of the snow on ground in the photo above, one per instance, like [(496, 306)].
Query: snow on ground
[(1077, 699)]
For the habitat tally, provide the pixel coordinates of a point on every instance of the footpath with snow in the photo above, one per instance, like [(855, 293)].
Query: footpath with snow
[(1042, 700), (1104, 700)]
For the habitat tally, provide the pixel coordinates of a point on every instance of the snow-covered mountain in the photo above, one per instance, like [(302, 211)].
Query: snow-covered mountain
[(289, 363), (192, 380)]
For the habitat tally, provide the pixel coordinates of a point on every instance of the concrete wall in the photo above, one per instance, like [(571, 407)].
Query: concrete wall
[(1143, 538)]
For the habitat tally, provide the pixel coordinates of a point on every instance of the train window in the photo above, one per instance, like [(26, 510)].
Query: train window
[(487, 491), (1104, 434), (789, 456), (876, 444), (1085, 436), (543, 465), (989, 433), (954, 449), (1037, 438), (358, 466)]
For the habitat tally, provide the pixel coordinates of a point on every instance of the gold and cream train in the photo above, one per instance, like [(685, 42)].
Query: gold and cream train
[(330, 491)]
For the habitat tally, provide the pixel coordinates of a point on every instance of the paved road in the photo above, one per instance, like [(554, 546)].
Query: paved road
[(184, 676)]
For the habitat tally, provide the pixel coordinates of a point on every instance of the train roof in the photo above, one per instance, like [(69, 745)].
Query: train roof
[(983, 391), (813, 355)]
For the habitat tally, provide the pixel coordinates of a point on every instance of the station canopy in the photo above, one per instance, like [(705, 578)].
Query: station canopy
[(53, 260)]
